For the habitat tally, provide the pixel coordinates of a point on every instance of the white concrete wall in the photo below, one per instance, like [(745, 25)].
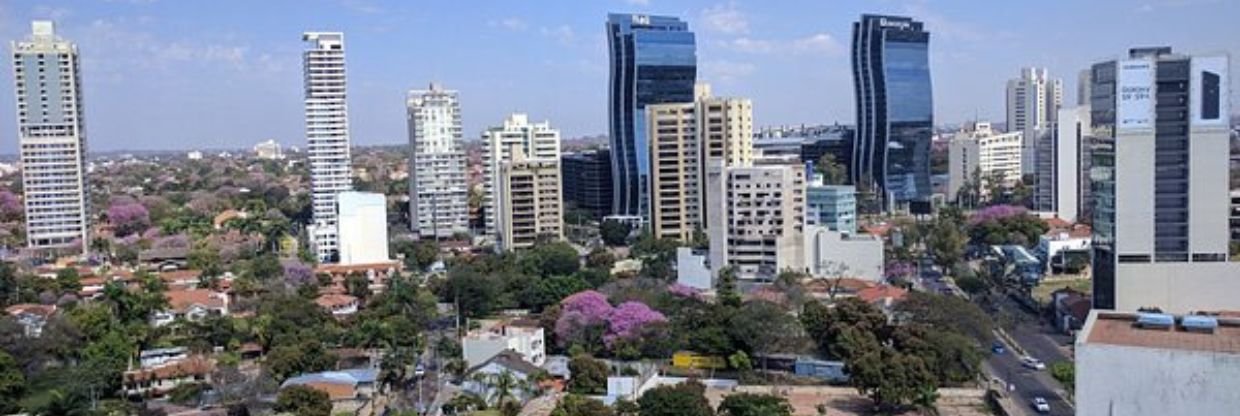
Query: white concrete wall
[(1178, 287), (827, 251), (1122, 380), (1134, 192), (1209, 201), (691, 269), (363, 228)]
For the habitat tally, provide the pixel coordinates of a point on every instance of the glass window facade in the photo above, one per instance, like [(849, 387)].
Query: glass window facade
[(895, 107), (653, 61)]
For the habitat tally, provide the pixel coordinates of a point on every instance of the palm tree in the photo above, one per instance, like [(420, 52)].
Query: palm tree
[(501, 387)]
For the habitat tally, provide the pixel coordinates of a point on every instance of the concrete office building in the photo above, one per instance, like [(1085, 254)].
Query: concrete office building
[(831, 206), (534, 140), (51, 135), (327, 136), (653, 60), (1033, 100), (895, 110), (528, 201), (587, 181), (1063, 162), (756, 217), (980, 151), (1134, 366), (438, 192), (684, 137), (362, 228), (1160, 183)]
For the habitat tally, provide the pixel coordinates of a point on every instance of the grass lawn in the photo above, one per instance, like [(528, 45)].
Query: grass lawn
[(1042, 293)]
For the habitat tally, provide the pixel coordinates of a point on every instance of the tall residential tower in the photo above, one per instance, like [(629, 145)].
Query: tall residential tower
[(653, 61), (895, 108), (438, 193), (537, 143), (327, 136), (1033, 100), (52, 136)]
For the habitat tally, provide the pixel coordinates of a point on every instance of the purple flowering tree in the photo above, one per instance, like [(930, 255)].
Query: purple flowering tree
[(580, 311), (172, 241), (995, 213), (630, 317), (679, 290), (297, 274), (128, 218), (10, 207)]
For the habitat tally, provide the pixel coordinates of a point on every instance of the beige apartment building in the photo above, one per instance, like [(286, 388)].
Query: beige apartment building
[(529, 202), (684, 138)]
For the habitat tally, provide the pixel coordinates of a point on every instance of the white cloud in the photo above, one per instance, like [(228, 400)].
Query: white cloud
[(748, 45), (725, 18), (817, 43), (511, 23), (54, 13), (562, 33), (723, 71), (638, 2), (127, 48), (361, 6)]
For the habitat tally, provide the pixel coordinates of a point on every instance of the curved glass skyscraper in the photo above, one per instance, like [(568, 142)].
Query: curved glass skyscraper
[(653, 61), (895, 109)]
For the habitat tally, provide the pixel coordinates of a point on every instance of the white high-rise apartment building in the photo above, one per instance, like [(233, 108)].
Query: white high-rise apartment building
[(537, 141), (1063, 162), (684, 138), (327, 136), (52, 136), (979, 150), (1032, 102), (756, 217), (438, 192)]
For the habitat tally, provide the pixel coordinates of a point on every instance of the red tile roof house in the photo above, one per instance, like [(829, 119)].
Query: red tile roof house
[(32, 317), (338, 305), (191, 305), (158, 380)]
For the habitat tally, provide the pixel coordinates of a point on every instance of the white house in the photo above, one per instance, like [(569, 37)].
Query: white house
[(522, 336), (191, 305), (505, 362), (337, 304)]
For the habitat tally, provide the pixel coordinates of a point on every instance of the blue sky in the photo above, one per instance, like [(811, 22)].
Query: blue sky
[(164, 74)]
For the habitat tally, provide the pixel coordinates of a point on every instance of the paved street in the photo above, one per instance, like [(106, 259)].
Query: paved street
[(1039, 340)]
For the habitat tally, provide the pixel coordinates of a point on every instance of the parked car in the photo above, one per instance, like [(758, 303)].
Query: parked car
[(998, 348), (1041, 405), (1032, 363)]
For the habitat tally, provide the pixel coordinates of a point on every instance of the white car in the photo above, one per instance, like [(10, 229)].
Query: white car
[(1041, 405), (1032, 363)]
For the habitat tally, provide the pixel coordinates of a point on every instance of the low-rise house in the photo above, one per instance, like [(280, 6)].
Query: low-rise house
[(158, 379), (1057, 245), (32, 317), (885, 297), (524, 337), (171, 258), (831, 253), (378, 274), (836, 288), (184, 279), (509, 362), (1071, 309), (191, 305), (161, 356), (349, 390), (339, 305)]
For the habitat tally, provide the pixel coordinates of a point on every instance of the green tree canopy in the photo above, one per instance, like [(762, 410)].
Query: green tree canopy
[(684, 399), (752, 404), (304, 401)]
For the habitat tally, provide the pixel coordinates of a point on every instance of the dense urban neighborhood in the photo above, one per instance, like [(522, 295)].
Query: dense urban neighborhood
[(1075, 258)]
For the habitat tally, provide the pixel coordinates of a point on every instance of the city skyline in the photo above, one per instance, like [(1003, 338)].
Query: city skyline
[(230, 80)]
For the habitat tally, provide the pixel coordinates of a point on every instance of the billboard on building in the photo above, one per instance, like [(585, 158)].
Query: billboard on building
[(1209, 103), (1135, 90)]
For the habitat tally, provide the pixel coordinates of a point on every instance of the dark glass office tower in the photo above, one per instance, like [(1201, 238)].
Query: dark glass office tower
[(587, 181), (653, 61), (895, 109)]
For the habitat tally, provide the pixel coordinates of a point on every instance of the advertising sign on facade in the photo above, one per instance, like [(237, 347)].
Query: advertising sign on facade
[(1209, 104), (1135, 91)]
